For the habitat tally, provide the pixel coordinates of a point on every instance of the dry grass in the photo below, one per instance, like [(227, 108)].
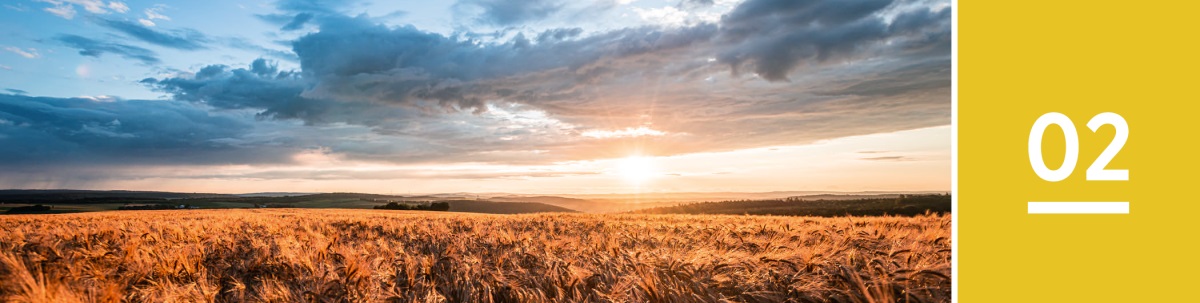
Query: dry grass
[(293, 255)]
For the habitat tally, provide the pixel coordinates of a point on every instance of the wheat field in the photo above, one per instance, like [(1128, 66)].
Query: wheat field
[(328, 255)]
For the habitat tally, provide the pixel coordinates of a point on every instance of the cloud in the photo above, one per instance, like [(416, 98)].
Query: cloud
[(777, 37), (30, 53), (180, 39), (628, 132), (101, 98), (374, 101), (405, 64), (62, 10), (404, 133), (695, 3), (66, 8), (558, 34), (118, 6), (296, 13), (92, 131), (154, 13), (45, 136), (16, 91), (503, 13), (668, 16), (244, 44), (297, 21), (278, 94), (392, 174), (94, 48), (316, 6), (917, 76), (769, 73), (353, 59)]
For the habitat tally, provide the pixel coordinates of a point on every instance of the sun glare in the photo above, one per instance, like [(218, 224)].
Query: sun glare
[(637, 169)]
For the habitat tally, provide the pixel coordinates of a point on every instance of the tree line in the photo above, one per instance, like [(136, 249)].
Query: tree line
[(434, 206)]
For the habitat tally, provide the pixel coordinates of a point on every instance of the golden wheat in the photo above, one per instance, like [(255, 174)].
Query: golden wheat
[(294, 255)]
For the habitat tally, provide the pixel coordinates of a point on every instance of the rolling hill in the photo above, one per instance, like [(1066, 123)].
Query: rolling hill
[(69, 201), (476, 206), (904, 205), (61, 195)]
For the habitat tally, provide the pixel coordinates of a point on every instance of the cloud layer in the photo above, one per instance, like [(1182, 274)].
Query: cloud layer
[(95, 48), (768, 72), (181, 39), (40, 132)]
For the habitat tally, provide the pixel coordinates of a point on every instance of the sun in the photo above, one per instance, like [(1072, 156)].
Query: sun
[(637, 169)]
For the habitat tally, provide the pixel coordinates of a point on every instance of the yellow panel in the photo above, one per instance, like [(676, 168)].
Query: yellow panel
[(1021, 59)]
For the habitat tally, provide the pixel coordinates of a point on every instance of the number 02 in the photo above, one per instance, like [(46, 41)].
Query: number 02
[(1095, 172)]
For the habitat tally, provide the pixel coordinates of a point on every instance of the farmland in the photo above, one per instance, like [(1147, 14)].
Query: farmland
[(351, 255)]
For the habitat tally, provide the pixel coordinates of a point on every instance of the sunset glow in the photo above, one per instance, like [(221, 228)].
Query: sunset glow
[(637, 169)]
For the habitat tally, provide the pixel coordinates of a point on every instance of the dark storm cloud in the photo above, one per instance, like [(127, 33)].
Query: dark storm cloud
[(94, 48), (185, 39), (260, 87), (396, 133), (280, 95), (418, 88), (101, 131), (507, 12), (354, 59), (775, 37)]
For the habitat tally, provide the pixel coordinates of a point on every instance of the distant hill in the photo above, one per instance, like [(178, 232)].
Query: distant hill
[(328, 196), (601, 203), (847, 196), (572, 203), (477, 206), (724, 196), (86, 200), (904, 205), (272, 194), (95, 196)]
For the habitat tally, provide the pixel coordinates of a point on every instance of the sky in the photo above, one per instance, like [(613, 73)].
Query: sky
[(525, 96)]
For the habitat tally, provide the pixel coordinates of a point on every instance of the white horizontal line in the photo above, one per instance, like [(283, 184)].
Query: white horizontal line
[(1078, 207)]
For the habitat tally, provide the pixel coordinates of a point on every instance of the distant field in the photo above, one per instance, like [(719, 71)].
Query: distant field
[(339, 255), (68, 208), (102, 201), (824, 206)]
